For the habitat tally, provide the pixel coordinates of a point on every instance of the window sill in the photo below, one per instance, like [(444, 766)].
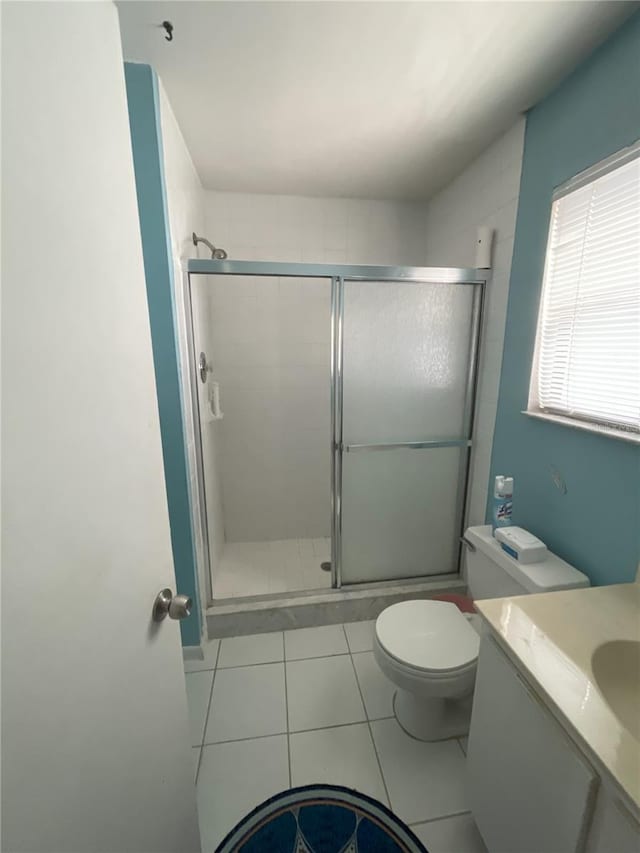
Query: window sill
[(586, 426)]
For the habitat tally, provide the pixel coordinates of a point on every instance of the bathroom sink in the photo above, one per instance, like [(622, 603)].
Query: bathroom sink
[(616, 668)]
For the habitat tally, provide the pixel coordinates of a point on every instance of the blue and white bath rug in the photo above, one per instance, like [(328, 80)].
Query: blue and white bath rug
[(321, 819)]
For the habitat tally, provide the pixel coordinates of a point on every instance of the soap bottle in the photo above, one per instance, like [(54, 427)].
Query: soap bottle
[(502, 502)]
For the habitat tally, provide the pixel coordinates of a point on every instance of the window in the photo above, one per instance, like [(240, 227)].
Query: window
[(586, 368)]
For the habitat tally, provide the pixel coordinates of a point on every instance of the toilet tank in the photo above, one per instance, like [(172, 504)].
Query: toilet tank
[(492, 573)]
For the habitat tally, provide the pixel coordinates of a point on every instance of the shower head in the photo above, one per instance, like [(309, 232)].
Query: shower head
[(216, 254)]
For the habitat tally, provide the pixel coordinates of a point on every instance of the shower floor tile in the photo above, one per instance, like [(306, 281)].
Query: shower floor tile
[(264, 568)]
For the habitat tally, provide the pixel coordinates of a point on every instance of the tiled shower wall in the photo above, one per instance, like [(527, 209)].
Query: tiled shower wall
[(486, 193), (316, 230), (272, 344)]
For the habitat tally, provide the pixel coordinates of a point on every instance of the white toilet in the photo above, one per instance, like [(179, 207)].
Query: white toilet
[(429, 649)]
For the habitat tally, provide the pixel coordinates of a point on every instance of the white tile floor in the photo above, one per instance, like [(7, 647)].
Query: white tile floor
[(297, 707), (263, 568)]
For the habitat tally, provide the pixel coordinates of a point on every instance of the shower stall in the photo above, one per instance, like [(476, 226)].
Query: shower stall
[(333, 418)]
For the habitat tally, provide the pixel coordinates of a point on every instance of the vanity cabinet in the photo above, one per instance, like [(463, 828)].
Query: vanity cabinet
[(530, 789)]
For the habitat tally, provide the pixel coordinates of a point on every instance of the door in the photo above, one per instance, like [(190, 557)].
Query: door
[(95, 744), (407, 371)]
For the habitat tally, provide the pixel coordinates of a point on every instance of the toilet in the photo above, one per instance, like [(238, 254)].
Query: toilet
[(429, 648)]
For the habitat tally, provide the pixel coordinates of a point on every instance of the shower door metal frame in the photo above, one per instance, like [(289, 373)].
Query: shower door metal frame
[(338, 275), (339, 448)]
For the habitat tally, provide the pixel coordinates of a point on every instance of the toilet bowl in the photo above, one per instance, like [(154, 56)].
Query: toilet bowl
[(429, 648)]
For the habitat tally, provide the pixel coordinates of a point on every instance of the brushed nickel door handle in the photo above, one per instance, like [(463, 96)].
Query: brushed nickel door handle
[(173, 606)]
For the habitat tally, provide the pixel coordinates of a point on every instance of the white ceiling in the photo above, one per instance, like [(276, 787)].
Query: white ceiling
[(362, 99)]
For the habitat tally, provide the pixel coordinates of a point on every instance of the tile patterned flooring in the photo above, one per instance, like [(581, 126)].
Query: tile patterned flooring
[(271, 711), (263, 568)]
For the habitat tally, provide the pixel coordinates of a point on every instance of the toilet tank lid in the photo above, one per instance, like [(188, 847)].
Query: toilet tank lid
[(549, 574)]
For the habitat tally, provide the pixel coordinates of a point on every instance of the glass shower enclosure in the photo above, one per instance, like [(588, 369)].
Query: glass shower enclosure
[(386, 414)]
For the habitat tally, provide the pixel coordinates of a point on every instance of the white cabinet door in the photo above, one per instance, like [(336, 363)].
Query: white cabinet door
[(95, 746), (529, 788), (613, 829)]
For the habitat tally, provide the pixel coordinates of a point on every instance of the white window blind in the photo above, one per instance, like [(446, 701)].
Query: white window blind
[(587, 360)]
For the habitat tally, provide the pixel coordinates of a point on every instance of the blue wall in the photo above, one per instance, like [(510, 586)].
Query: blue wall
[(148, 161), (596, 525)]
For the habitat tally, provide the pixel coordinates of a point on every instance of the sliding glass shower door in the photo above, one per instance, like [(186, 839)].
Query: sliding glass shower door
[(405, 358), (301, 373)]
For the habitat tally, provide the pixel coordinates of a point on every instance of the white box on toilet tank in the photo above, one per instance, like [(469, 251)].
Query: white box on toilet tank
[(520, 544)]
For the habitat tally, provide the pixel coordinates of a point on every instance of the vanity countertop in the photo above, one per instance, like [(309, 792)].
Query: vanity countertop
[(552, 637)]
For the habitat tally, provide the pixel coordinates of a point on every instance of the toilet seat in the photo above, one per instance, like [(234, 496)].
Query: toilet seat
[(430, 637)]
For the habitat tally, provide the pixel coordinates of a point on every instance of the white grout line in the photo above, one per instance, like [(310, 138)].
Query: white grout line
[(283, 733), (286, 711), (195, 778), (280, 660), (337, 726), (245, 665), (375, 748), (295, 731), (206, 719), (440, 817), (318, 657), (283, 659), (196, 671)]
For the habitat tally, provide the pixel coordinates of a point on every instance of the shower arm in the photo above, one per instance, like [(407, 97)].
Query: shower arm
[(216, 254)]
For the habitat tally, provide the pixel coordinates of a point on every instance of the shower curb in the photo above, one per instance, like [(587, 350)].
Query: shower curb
[(237, 617)]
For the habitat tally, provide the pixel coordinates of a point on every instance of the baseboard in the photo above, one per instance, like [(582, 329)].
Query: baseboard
[(192, 653)]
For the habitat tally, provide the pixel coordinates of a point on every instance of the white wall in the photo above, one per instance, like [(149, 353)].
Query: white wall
[(316, 230), (95, 741), (486, 193), (185, 204)]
